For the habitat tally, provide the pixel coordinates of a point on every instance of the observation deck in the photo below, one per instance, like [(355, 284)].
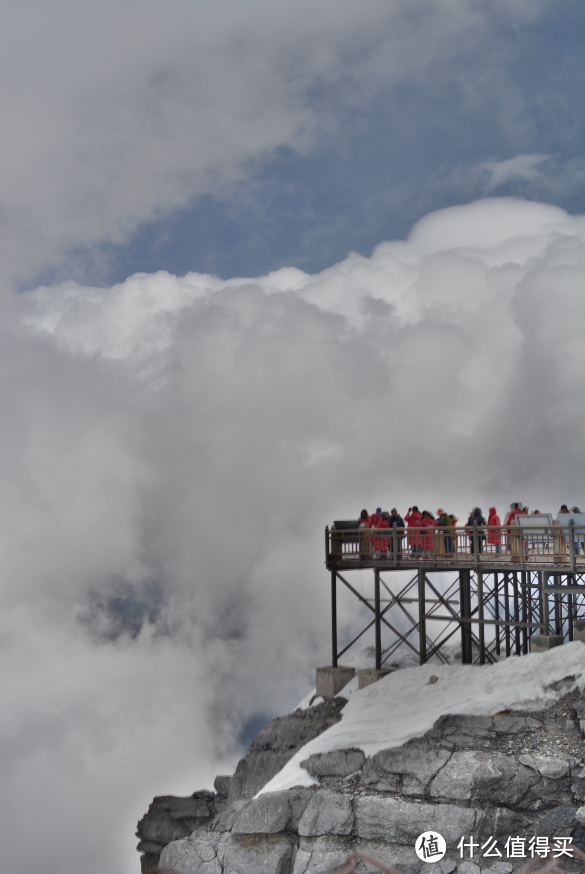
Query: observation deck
[(508, 590), (530, 544)]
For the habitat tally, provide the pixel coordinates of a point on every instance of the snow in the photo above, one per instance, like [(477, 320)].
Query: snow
[(404, 705)]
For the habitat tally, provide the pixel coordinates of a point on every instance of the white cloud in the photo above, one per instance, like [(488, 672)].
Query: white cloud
[(190, 437), (116, 114), (519, 167)]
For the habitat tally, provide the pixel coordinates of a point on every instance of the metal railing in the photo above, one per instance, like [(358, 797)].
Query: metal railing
[(552, 545)]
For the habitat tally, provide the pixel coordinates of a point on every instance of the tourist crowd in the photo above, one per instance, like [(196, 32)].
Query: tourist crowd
[(422, 526)]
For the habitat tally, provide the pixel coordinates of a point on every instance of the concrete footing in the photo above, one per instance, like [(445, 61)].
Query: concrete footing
[(579, 630), (367, 676), (331, 680), (542, 642)]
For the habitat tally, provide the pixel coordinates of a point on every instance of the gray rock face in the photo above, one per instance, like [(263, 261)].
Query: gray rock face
[(322, 855), (471, 775), (255, 854), (221, 784), (170, 818), (277, 743), (254, 771), (337, 763), (467, 730), (580, 710), (512, 774), (272, 812), (547, 766), (392, 820), (328, 813), (191, 857), (408, 769)]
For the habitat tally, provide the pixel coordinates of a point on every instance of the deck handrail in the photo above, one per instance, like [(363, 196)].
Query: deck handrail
[(548, 544)]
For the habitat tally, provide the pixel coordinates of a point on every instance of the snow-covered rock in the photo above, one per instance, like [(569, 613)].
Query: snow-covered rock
[(512, 767)]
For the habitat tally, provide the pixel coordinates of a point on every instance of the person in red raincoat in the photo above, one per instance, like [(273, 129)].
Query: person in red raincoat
[(413, 519), (381, 543), (494, 536), (428, 521)]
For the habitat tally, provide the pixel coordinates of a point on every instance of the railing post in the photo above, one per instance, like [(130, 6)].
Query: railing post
[(378, 625), (572, 550), (422, 625), (334, 618), (475, 545)]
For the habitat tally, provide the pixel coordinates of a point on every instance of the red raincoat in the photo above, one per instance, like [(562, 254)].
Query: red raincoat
[(493, 521), (414, 520), (427, 522), (381, 543)]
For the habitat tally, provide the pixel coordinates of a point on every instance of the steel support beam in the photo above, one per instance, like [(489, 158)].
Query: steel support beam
[(334, 618), (422, 625), (378, 625)]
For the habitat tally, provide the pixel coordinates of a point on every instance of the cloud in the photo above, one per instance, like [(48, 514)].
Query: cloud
[(118, 114), (173, 448), (526, 167)]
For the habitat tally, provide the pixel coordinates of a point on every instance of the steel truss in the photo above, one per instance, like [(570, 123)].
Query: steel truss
[(496, 613)]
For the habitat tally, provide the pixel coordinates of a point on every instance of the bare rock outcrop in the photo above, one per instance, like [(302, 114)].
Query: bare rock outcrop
[(515, 774)]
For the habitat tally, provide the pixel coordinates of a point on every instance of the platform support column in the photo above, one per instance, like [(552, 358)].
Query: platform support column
[(465, 608), (481, 629), (422, 609), (529, 578), (334, 618), (378, 623), (497, 611), (524, 595), (544, 618), (507, 612), (516, 614), (558, 606)]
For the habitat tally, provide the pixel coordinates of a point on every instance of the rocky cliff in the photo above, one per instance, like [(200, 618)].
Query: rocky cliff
[(514, 774)]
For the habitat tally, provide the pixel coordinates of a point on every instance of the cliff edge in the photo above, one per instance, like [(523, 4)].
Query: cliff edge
[(513, 775)]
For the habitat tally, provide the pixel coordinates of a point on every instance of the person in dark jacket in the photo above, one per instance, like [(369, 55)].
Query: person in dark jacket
[(475, 518), (396, 522)]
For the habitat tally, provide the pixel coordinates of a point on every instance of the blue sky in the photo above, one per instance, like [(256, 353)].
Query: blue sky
[(239, 138), (392, 157)]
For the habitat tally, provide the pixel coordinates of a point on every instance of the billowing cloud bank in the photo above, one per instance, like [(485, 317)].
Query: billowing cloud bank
[(174, 447)]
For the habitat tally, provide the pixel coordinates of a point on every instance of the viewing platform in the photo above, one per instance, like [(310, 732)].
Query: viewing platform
[(503, 591), (534, 543)]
